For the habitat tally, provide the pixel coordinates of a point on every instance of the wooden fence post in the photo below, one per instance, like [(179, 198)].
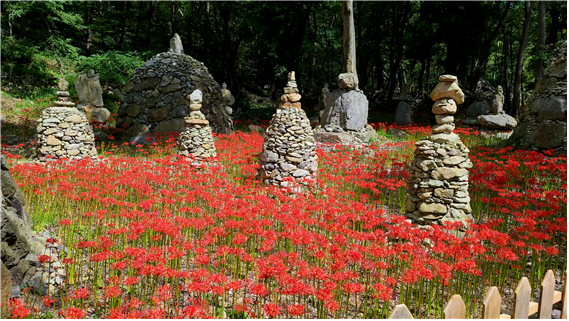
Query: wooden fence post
[(401, 312), (455, 308), (522, 298), (492, 304), (564, 299), (546, 296)]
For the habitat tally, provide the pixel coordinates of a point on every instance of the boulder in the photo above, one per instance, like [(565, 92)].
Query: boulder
[(176, 45), (347, 81), (346, 109), (550, 108), (501, 121), (333, 138), (89, 89), (99, 115), (549, 135), (497, 104), (403, 114), (478, 108), (6, 285), (228, 98)]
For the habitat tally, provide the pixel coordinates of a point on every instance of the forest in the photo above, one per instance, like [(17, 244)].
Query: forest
[(250, 45)]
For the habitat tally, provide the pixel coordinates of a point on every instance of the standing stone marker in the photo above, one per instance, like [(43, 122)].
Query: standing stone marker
[(438, 188), (196, 140), (289, 149), (89, 89)]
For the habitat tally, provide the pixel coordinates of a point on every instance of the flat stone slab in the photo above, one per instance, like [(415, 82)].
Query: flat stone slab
[(64, 103), (332, 138), (197, 122)]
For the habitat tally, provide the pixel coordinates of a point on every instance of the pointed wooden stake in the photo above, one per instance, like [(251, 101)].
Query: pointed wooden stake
[(401, 312), (522, 298), (455, 308), (546, 296), (492, 304)]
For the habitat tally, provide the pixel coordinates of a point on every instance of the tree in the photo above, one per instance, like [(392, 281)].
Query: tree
[(514, 109), (349, 38)]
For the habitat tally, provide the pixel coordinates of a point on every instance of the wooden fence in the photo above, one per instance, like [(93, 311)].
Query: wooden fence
[(523, 306)]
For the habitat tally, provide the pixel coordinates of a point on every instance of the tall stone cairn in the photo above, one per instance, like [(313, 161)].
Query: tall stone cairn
[(438, 188), (289, 150), (63, 95), (64, 132), (196, 141)]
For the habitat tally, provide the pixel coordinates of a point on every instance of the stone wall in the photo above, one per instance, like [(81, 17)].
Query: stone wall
[(543, 125), (155, 98), (64, 132)]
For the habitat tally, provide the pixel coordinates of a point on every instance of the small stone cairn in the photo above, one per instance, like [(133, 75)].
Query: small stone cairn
[(289, 149), (196, 140), (438, 188), (64, 132), (63, 99)]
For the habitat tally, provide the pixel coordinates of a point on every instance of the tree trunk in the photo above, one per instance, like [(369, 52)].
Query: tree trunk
[(538, 67), (349, 38), (553, 26), (150, 16), (89, 31), (173, 19), (519, 66), (421, 74), (506, 46), (124, 23), (399, 51)]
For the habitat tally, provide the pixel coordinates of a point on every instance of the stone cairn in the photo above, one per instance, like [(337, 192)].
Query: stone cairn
[(196, 140), (543, 125), (63, 99), (64, 132), (289, 149), (438, 188)]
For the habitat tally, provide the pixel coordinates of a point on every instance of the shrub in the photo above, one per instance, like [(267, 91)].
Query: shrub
[(113, 67)]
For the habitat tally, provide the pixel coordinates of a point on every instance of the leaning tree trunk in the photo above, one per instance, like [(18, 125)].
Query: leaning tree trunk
[(507, 98), (519, 67), (349, 37)]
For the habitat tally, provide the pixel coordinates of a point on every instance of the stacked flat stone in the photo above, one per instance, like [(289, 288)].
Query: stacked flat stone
[(543, 125), (64, 132), (63, 99), (289, 149), (196, 140), (438, 188)]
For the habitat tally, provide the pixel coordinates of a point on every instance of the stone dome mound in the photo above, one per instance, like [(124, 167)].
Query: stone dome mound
[(156, 98)]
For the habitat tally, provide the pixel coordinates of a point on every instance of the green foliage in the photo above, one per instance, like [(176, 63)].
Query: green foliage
[(254, 111), (113, 67)]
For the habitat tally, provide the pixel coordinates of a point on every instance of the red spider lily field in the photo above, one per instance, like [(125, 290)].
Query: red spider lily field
[(145, 235)]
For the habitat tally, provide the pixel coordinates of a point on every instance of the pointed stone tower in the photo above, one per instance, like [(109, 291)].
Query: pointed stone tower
[(289, 150)]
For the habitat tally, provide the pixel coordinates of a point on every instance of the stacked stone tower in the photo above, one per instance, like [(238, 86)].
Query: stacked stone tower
[(64, 132), (63, 95), (196, 140), (438, 188), (289, 150)]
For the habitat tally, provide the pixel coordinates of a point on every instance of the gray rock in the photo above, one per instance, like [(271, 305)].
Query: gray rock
[(347, 81), (300, 173), (15, 292), (477, 108), (142, 140), (268, 156), (333, 138), (347, 109), (501, 121), (550, 108), (89, 89), (176, 45), (170, 126), (549, 136), (403, 114)]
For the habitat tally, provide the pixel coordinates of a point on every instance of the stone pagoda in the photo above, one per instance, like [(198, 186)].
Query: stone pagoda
[(63, 99), (196, 140), (289, 149), (438, 188)]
